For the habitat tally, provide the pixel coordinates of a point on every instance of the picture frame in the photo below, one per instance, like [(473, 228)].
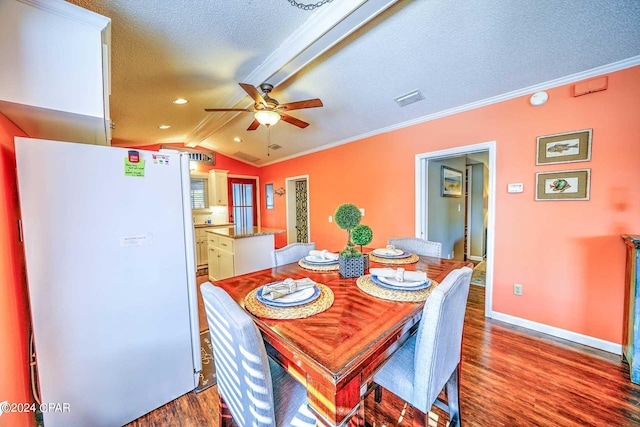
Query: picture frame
[(568, 147), (563, 185), (268, 196), (451, 182)]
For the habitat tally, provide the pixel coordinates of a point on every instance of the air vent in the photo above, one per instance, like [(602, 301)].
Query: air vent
[(409, 98), (199, 156), (275, 146), (245, 156)]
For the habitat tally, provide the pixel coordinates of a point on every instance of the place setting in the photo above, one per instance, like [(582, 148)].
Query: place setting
[(392, 255), (397, 284), (289, 299), (320, 261)]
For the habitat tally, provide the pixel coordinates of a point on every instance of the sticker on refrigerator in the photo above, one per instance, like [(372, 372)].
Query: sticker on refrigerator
[(139, 240), (133, 169), (160, 159)]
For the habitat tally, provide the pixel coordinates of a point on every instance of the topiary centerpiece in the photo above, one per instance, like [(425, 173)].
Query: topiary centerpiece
[(351, 261), (362, 235)]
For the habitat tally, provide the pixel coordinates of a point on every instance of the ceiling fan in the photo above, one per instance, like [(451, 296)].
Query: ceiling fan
[(268, 111)]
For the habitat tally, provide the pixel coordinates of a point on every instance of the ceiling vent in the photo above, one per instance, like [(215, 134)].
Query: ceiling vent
[(275, 147), (409, 98), (245, 156), (199, 156)]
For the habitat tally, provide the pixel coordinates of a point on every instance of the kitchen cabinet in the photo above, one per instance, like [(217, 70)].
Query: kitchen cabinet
[(55, 79), (233, 251), (218, 187)]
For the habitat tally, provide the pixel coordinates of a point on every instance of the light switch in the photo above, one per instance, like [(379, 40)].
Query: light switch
[(330, 218), (515, 188), (362, 211)]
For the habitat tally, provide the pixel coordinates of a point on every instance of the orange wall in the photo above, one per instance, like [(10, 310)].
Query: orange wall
[(14, 306), (567, 254)]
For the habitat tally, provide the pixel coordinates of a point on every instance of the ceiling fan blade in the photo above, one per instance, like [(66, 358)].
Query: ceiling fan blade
[(254, 125), (309, 103), (253, 93), (228, 109), (293, 121)]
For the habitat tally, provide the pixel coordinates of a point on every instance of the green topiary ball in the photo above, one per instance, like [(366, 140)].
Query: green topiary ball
[(362, 235), (347, 216)]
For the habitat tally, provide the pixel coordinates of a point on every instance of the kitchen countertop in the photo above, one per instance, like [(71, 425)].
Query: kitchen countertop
[(238, 232), (226, 224)]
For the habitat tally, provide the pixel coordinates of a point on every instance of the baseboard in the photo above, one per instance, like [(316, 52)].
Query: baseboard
[(609, 346), (475, 258)]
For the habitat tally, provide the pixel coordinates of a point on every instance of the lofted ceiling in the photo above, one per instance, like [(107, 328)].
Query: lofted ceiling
[(356, 56)]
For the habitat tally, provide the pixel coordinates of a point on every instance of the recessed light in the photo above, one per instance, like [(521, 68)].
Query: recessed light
[(237, 139), (164, 127), (180, 101)]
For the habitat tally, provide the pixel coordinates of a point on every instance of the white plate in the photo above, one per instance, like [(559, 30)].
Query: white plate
[(297, 298), (319, 260), (387, 252), (404, 284)]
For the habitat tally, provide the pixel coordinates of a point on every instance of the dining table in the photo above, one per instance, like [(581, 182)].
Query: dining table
[(335, 353)]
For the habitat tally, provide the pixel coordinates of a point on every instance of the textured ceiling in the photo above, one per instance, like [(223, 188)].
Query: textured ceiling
[(454, 52)]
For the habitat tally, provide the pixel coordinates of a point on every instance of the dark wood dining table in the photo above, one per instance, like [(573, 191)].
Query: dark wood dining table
[(335, 353)]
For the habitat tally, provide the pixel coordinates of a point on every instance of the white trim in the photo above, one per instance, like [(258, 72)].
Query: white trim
[(598, 343), (70, 11), (475, 258), (609, 68), (468, 170), (421, 215), (288, 181)]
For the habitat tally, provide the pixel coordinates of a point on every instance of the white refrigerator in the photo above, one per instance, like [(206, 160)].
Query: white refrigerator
[(111, 276)]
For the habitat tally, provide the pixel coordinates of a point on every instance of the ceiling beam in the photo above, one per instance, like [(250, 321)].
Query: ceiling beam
[(325, 29)]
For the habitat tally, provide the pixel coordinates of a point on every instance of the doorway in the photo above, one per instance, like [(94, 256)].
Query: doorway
[(432, 209), (243, 205), (297, 190)]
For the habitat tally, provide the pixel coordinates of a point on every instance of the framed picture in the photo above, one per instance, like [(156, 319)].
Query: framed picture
[(563, 185), (268, 195), (564, 147), (451, 182)]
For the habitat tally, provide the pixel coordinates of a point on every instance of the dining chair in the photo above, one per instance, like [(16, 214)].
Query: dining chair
[(293, 252), (417, 246), (430, 360), (257, 391)]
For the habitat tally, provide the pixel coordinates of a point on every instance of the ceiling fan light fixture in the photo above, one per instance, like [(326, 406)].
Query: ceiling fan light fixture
[(267, 117)]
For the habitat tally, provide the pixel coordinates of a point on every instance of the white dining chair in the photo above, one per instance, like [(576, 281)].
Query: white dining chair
[(293, 252), (417, 246), (257, 391), (430, 360)]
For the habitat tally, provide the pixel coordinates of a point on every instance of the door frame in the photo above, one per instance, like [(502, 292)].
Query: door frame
[(421, 197), (257, 179), (291, 203)]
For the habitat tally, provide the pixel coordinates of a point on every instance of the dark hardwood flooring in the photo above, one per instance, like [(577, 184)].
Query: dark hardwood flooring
[(511, 376)]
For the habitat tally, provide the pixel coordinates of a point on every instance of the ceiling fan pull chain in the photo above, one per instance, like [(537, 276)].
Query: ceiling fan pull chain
[(310, 6)]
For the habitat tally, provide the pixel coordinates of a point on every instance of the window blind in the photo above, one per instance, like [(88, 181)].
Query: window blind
[(199, 193)]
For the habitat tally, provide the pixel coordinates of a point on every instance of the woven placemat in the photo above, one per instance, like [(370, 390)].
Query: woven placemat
[(396, 261), (323, 302), (368, 286), (314, 267)]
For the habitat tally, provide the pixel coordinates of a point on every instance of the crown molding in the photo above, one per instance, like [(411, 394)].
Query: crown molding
[(572, 78), (70, 11)]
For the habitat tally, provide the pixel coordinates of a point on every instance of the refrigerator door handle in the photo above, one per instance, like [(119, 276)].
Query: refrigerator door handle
[(189, 233)]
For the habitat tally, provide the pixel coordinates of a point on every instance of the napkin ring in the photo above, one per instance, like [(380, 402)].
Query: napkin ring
[(400, 274)]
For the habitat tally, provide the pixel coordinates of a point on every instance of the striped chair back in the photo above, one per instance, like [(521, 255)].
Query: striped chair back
[(240, 358)]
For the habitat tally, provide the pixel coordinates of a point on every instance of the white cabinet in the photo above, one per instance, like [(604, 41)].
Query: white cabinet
[(201, 247), (230, 257), (218, 188), (221, 257), (55, 79)]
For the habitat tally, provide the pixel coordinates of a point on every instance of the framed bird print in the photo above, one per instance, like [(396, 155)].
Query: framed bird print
[(563, 185), (564, 147)]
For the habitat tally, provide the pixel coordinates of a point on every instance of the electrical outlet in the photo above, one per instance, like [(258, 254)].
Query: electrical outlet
[(330, 218), (362, 211), (517, 289)]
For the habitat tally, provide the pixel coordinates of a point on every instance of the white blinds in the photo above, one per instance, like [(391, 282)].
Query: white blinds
[(199, 193)]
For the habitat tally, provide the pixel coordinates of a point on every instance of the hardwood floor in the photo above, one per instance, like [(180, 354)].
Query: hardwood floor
[(511, 376)]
